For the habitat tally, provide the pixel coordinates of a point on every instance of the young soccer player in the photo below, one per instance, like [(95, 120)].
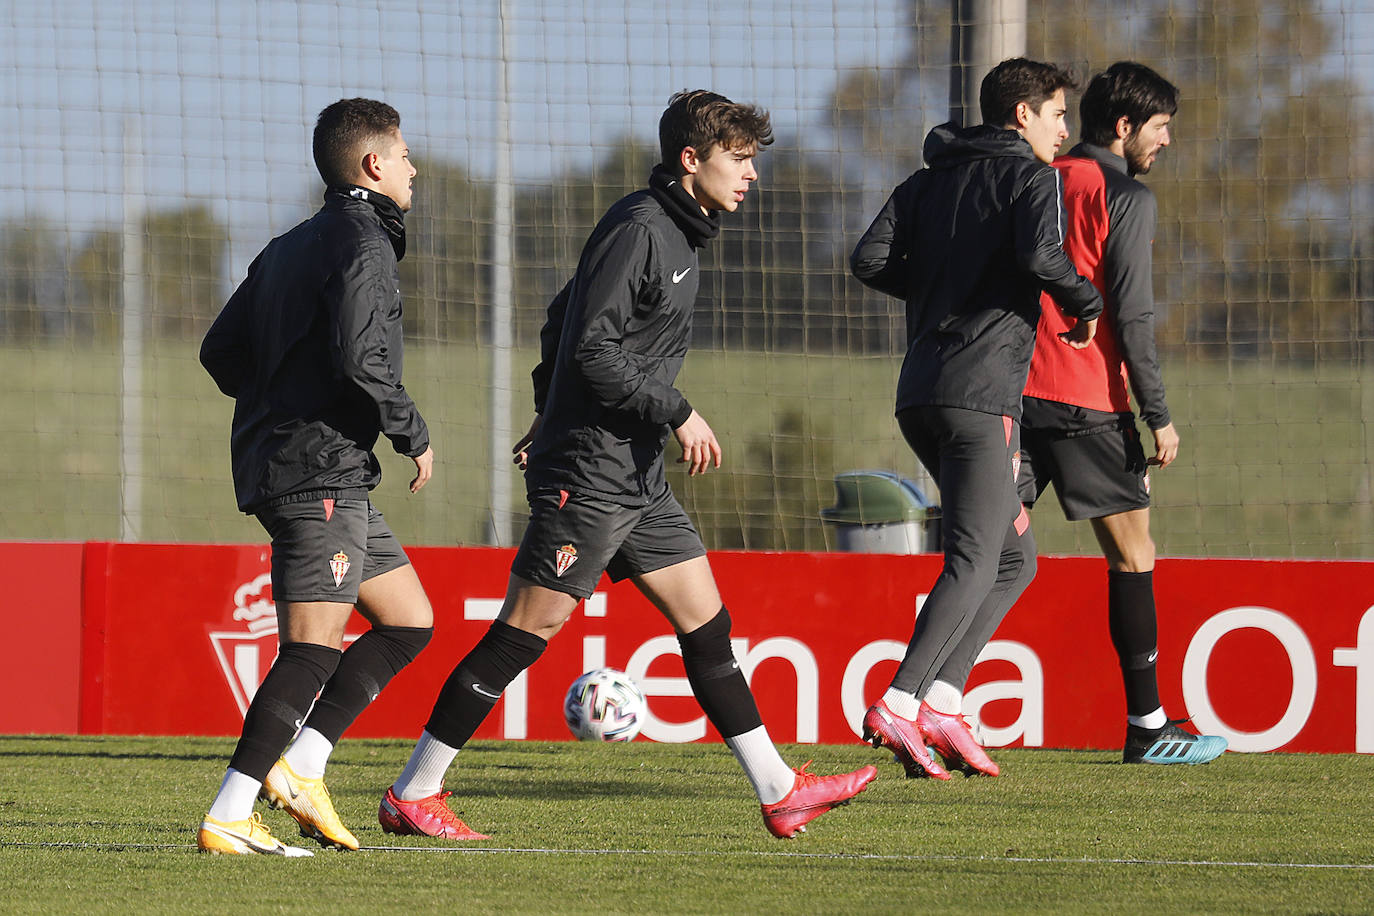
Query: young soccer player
[(1078, 431), (969, 242), (309, 347), (604, 393)]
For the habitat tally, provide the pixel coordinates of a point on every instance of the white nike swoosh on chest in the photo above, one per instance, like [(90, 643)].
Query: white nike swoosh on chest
[(677, 277)]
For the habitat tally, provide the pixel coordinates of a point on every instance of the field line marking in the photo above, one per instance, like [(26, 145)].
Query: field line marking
[(864, 856), (894, 857)]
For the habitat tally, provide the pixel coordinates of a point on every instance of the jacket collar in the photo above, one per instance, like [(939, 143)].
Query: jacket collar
[(699, 227), (391, 217), (1101, 154)]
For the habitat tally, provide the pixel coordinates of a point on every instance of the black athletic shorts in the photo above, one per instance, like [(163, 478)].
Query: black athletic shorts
[(323, 549), (1093, 457), (572, 539)]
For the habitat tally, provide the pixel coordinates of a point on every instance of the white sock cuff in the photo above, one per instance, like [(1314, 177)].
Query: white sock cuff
[(944, 697), (1156, 719), (237, 795), (309, 754), (769, 774), (902, 703), (423, 775)]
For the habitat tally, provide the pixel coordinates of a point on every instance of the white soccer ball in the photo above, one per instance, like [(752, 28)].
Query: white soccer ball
[(604, 705)]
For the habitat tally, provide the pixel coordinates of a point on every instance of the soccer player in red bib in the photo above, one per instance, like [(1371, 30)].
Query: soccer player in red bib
[(1078, 429)]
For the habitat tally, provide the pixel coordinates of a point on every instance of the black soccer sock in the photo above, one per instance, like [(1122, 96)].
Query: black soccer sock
[(1135, 634), (281, 705), (366, 667), (716, 679), (476, 683)]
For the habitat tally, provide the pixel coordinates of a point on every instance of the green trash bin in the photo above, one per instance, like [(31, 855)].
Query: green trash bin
[(882, 512)]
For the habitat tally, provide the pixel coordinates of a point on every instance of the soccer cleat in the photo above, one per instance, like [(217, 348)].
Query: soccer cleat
[(1170, 744), (953, 740), (812, 796), (307, 800), (428, 816), (242, 838), (884, 728)]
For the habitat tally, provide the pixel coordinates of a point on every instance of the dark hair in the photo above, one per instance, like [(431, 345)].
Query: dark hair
[(1126, 90), (702, 120), (346, 131), (1020, 80)]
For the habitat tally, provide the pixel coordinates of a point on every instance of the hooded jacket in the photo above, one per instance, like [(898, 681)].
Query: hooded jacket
[(309, 346), (969, 242), (613, 344)]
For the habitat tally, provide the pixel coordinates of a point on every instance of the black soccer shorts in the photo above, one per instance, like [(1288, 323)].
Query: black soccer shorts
[(1094, 459), (572, 538), (323, 549)]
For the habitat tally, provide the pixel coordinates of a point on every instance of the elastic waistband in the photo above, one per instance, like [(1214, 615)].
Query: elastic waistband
[(305, 496)]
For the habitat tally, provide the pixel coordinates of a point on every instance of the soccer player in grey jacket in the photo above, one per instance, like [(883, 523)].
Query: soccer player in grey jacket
[(969, 242), (606, 405)]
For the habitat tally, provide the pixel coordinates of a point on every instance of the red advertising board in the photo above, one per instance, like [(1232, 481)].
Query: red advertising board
[(40, 656), (1272, 654)]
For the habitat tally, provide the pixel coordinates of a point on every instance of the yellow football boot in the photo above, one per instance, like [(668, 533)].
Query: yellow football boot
[(242, 838), (307, 800)]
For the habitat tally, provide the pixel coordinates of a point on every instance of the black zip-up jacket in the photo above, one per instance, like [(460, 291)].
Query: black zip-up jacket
[(309, 347), (969, 242), (612, 346)]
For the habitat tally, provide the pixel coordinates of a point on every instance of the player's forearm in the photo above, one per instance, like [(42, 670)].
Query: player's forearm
[(1142, 367), (1039, 249), (618, 383), (878, 259)]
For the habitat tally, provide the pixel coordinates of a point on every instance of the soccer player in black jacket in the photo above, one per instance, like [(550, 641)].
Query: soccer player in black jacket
[(969, 242), (309, 347), (604, 393)]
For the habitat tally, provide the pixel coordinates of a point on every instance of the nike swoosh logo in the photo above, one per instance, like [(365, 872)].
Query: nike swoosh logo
[(478, 688), (677, 277), (1153, 656)]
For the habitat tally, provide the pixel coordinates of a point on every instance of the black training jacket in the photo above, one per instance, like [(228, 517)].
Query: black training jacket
[(612, 346), (969, 242), (309, 347)]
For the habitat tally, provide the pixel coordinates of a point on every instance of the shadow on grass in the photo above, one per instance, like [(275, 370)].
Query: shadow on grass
[(117, 755)]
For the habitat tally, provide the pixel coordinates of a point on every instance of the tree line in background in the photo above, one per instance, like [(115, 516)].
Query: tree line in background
[(1263, 244), (777, 279), (1262, 250)]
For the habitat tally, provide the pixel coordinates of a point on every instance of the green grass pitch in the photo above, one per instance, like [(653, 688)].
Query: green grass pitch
[(106, 825)]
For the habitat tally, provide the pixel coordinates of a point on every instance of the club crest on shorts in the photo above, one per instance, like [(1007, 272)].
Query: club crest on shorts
[(1015, 465), (563, 558), (338, 565)]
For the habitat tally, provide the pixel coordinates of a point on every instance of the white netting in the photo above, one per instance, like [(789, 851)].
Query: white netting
[(174, 139)]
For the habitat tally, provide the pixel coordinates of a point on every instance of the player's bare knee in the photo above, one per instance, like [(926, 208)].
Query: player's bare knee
[(538, 610), (1135, 558)]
